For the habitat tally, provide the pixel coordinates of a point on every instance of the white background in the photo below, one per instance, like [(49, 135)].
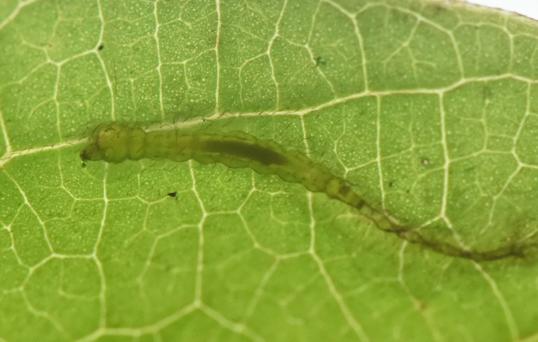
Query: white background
[(525, 7)]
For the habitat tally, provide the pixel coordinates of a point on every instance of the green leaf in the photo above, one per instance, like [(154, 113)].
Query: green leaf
[(428, 108)]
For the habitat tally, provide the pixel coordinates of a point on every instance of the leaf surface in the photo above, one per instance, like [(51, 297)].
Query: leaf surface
[(428, 108)]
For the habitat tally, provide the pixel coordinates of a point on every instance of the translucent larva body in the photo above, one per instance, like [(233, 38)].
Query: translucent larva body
[(116, 142)]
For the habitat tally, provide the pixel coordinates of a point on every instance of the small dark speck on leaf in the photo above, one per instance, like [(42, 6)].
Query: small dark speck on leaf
[(83, 164), (320, 61), (172, 194), (391, 184), (101, 47)]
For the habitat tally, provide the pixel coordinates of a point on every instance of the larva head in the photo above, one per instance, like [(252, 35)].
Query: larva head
[(109, 142)]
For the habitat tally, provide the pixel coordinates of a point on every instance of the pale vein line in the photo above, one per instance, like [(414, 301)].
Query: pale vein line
[(102, 62), (20, 6), (311, 53), (360, 40), (238, 328), (55, 100), (270, 47), (378, 153), (344, 309), (45, 315), (259, 290), (363, 53), (446, 172), (302, 112), (446, 158), (200, 258), (34, 268), (444, 142), (404, 46), (142, 330), (416, 303), (8, 156), (341, 100), (511, 54), (217, 56), (12, 247), (523, 121), (7, 143), (512, 326), (34, 212), (442, 29), (156, 241), (255, 243), (102, 278), (348, 315), (513, 151), (159, 60)]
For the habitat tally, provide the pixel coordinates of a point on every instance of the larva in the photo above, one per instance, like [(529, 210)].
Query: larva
[(117, 142)]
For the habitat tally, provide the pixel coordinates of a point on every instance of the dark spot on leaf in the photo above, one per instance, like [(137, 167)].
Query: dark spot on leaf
[(320, 61), (172, 194), (101, 47)]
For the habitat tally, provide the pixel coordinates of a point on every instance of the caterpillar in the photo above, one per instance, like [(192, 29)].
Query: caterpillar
[(116, 142)]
